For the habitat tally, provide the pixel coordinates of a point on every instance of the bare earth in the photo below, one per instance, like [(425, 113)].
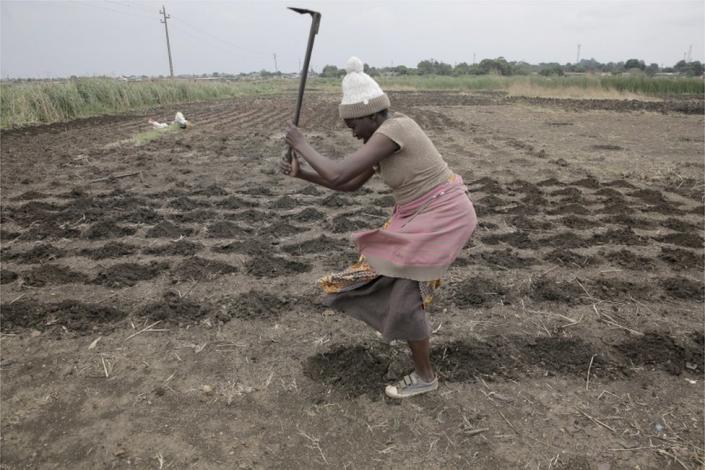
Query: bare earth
[(569, 335)]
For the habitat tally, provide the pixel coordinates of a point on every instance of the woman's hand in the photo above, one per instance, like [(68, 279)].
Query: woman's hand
[(294, 137), (291, 168)]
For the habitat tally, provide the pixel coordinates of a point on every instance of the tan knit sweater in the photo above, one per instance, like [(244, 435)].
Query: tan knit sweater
[(417, 167)]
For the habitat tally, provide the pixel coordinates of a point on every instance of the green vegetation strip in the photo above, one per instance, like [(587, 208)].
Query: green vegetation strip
[(26, 103)]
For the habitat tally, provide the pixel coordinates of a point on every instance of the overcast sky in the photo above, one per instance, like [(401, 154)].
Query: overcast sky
[(125, 37)]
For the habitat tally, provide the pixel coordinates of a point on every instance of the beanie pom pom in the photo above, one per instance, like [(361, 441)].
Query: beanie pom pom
[(354, 65)]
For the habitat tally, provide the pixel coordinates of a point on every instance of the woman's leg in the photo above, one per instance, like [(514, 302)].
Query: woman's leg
[(421, 353)]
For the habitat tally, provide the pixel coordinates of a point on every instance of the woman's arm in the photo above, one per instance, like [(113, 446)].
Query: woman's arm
[(352, 185), (339, 172)]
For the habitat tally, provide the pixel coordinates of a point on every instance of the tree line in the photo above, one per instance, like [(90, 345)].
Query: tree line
[(500, 66)]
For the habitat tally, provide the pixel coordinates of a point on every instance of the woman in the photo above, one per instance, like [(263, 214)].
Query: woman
[(433, 218)]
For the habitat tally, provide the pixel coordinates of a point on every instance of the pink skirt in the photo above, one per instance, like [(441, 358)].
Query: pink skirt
[(424, 236)]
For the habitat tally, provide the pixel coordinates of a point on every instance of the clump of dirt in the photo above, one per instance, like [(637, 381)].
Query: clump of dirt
[(129, 274), (352, 370), (629, 260), (683, 288), (530, 223), (609, 193), (275, 266), (679, 225), (257, 191), (184, 203), (7, 277), (343, 224), (46, 231), (167, 230), (506, 258), (680, 259), (550, 182), (654, 349), (629, 221), (37, 254), (197, 216), (384, 201), (563, 355), (621, 236), (589, 182), (29, 195), (210, 191), (108, 229), (492, 201), (569, 209), (310, 191), (175, 309), (617, 207), (689, 240), (250, 246), (196, 269), (109, 250), (336, 201), (234, 202), (564, 240), (178, 248), (544, 289), (650, 196), (308, 215), (564, 257), (577, 223), (251, 216), (139, 215), (614, 288), (487, 185), (568, 192), (49, 274), (320, 245), (255, 305), (281, 229), (29, 213), (464, 361), (226, 229), (75, 316), (525, 187), (285, 202), (607, 147), (620, 184), (477, 291), (517, 239)]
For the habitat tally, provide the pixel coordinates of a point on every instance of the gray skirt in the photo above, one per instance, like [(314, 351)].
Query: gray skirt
[(390, 305)]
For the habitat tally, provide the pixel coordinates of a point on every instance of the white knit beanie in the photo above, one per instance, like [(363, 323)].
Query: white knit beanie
[(362, 95)]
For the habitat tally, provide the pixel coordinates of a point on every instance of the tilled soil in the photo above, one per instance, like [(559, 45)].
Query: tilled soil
[(172, 319)]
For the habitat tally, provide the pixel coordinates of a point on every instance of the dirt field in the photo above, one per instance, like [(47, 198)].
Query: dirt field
[(171, 318)]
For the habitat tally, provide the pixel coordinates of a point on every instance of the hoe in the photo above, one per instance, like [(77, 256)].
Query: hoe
[(315, 21)]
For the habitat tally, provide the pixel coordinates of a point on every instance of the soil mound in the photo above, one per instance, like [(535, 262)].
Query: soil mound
[(311, 191), (37, 254), (256, 305), (251, 216), (285, 202), (167, 230), (617, 289), (564, 257), (629, 221), (464, 361), (563, 355), (569, 209), (690, 240), (75, 316), (308, 215), (184, 203), (544, 289), (196, 269), (577, 223), (257, 191), (629, 260), (344, 224), (683, 288), (550, 182), (654, 349), (108, 229), (680, 259), (250, 246), (109, 250), (622, 236), (506, 258), (49, 231), (234, 202), (198, 216), (351, 370), (530, 223), (175, 309), (565, 240), (49, 274), (129, 274), (320, 245), (384, 201), (336, 201), (179, 248), (7, 277), (281, 229), (679, 225), (140, 215), (478, 291), (210, 191), (589, 182), (226, 229), (516, 239), (275, 266)]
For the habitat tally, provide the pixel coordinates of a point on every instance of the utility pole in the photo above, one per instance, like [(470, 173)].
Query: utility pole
[(473, 58), (577, 59), (168, 46), (690, 53), (275, 63)]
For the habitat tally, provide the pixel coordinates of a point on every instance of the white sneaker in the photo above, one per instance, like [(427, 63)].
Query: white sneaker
[(409, 386)]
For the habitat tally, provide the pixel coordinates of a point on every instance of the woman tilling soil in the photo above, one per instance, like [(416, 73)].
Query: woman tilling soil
[(400, 264)]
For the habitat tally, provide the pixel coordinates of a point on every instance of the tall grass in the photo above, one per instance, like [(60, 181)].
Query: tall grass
[(46, 102)]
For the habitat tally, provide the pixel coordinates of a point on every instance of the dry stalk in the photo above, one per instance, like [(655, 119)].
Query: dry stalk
[(143, 330), (587, 382), (597, 421)]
